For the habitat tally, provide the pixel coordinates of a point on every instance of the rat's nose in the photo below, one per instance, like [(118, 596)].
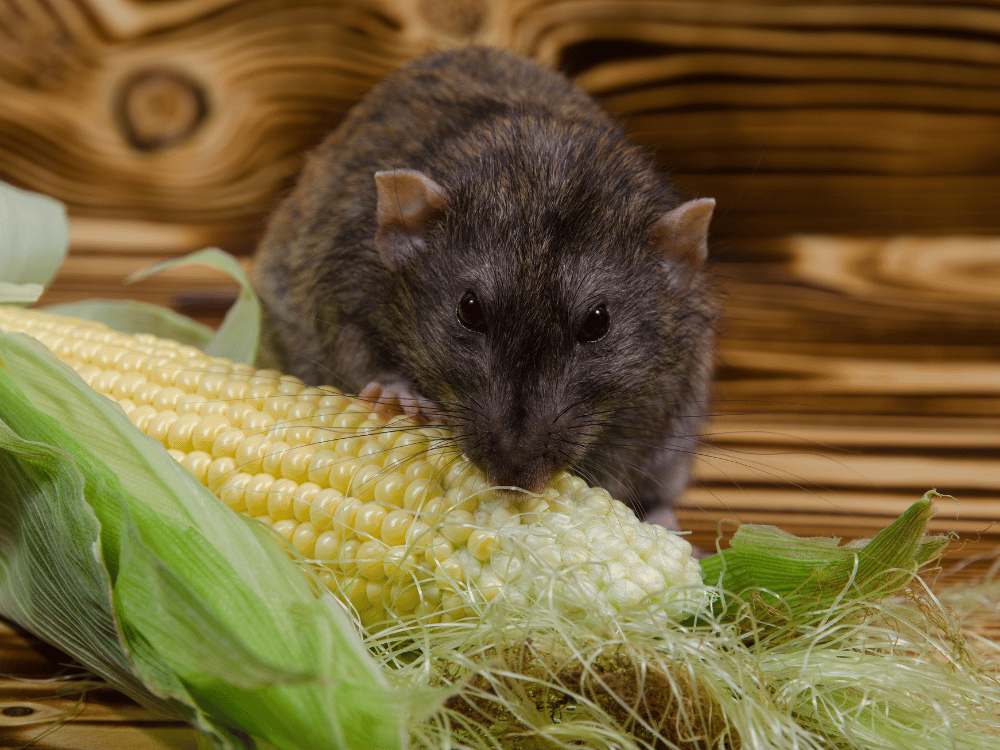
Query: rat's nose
[(529, 479), (516, 460)]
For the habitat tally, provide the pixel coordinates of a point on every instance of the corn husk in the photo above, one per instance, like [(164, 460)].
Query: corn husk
[(113, 552), (34, 239), (165, 592)]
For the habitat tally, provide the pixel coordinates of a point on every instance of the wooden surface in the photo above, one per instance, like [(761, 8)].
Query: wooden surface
[(854, 375), (836, 116), (40, 711), (854, 150)]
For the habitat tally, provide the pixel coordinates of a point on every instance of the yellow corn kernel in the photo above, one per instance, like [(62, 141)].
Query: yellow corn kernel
[(250, 453), (320, 464), (394, 526), (218, 472), (207, 430), (368, 521), (280, 498), (227, 442), (271, 461), (342, 472), (159, 426), (181, 430), (197, 462), (257, 492), (295, 462), (304, 495), (304, 539), (234, 491), (323, 507), (327, 546), (400, 523), (191, 402)]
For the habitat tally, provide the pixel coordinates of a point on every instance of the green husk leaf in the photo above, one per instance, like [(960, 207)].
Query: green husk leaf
[(53, 581), (239, 335), (45, 516), (288, 666), (19, 294), (132, 316), (784, 578), (34, 238)]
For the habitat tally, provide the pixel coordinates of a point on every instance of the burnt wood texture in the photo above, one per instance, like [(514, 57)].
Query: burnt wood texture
[(853, 149)]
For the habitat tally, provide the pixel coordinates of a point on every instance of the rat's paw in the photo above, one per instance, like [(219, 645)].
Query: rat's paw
[(397, 397)]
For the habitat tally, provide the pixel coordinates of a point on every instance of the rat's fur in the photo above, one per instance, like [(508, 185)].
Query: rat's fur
[(550, 212)]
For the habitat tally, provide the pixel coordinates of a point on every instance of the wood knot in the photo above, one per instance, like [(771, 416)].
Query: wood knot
[(23, 714), (158, 108), (456, 18), (17, 711)]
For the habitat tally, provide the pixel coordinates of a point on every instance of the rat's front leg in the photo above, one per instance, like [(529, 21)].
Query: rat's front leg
[(391, 394)]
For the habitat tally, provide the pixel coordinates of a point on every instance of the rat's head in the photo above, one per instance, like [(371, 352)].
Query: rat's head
[(544, 313)]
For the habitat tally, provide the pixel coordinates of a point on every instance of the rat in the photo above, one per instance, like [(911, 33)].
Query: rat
[(477, 243)]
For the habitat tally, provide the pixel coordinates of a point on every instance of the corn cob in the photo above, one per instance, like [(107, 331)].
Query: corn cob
[(391, 516)]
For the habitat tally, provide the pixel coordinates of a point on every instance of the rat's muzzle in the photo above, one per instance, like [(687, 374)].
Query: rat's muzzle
[(521, 459)]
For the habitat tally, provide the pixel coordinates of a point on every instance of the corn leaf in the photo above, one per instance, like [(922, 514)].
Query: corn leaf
[(238, 336), (19, 294), (45, 518), (212, 612), (784, 578), (133, 316), (53, 581), (34, 238)]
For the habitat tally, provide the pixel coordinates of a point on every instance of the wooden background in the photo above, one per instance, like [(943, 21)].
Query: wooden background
[(853, 148)]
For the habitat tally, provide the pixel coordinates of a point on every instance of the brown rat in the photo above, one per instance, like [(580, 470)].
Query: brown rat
[(478, 243)]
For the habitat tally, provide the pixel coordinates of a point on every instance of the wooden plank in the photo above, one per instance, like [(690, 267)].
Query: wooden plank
[(228, 66), (626, 73), (891, 433), (823, 471), (858, 359), (763, 202), (898, 32), (817, 116), (90, 236), (41, 708)]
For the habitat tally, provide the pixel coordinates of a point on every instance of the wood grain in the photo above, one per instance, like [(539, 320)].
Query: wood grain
[(798, 117), (853, 149), (856, 374), (40, 710)]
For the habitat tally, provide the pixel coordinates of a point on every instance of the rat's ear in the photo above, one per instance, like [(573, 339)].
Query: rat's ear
[(681, 235), (409, 204)]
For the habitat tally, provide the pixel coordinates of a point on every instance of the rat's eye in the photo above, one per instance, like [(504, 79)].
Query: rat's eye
[(470, 313), (595, 325)]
